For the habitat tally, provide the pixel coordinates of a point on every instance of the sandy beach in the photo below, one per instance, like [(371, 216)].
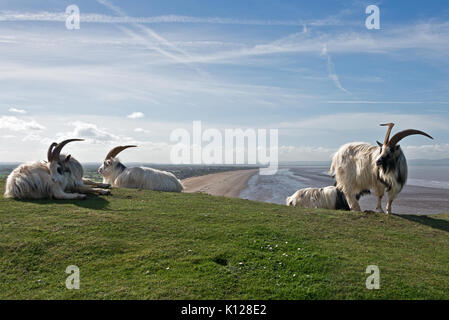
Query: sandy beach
[(228, 184)]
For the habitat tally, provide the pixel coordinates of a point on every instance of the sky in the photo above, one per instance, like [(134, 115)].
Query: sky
[(137, 70)]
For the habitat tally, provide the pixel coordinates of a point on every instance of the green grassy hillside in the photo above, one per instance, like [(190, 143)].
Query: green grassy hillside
[(154, 245)]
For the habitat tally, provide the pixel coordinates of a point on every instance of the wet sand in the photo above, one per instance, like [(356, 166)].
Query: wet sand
[(228, 184), (413, 200)]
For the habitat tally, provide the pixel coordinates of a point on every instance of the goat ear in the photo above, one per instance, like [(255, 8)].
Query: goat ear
[(397, 147), (380, 144), (68, 158)]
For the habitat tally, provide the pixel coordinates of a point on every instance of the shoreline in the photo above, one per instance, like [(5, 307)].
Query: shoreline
[(226, 184)]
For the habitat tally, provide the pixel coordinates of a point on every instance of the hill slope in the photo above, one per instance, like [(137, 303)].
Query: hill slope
[(154, 245)]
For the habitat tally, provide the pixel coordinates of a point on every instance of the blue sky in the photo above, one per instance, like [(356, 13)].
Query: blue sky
[(308, 68)]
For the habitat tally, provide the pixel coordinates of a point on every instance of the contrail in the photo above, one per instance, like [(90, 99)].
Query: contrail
[(331, 70), (155, 36)]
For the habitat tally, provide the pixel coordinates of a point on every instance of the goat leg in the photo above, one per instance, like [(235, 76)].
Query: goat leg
[(90, 190), (96, 184), (61, 195)]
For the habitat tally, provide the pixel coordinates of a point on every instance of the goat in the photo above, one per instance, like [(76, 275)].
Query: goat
[(58, 178), (74, 173), (325, 198), (116, 174), (360, 166)]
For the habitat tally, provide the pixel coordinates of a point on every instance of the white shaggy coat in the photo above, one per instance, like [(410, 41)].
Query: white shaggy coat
[(325, 198), (49, 180), (116, 174), (355, 170)]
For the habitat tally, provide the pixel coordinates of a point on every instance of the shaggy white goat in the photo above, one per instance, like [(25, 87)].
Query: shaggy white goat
[(359, 166), (325, 198), (61, 177), (116, 174)]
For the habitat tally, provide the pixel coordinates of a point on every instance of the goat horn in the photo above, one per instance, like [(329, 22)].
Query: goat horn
[(50, 151), (115, 151), (402, 134), (387, 136), (58, 148)]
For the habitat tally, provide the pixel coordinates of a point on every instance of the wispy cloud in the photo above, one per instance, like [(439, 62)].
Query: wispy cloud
[(366, 121), (45, 16), (16, 124), (154, 35)]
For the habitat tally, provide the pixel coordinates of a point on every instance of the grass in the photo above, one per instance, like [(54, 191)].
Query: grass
[(154, 245)]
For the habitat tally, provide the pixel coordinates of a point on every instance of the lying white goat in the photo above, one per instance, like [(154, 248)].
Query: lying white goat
[(116, 174), (325, 198), (61, 177)]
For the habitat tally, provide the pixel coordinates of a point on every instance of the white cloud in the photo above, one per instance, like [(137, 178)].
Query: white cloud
[(90, 132), (15, 110), (136, 115), (15, 124), (141, 130)]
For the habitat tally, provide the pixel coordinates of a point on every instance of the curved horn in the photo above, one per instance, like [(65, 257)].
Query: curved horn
[(402, 134), (50, 151), (387, 136), (58, 148), (115, 151)]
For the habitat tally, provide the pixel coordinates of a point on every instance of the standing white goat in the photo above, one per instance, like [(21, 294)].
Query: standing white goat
[(325, 198), (61, 177), (358, 167), (115, 173)]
